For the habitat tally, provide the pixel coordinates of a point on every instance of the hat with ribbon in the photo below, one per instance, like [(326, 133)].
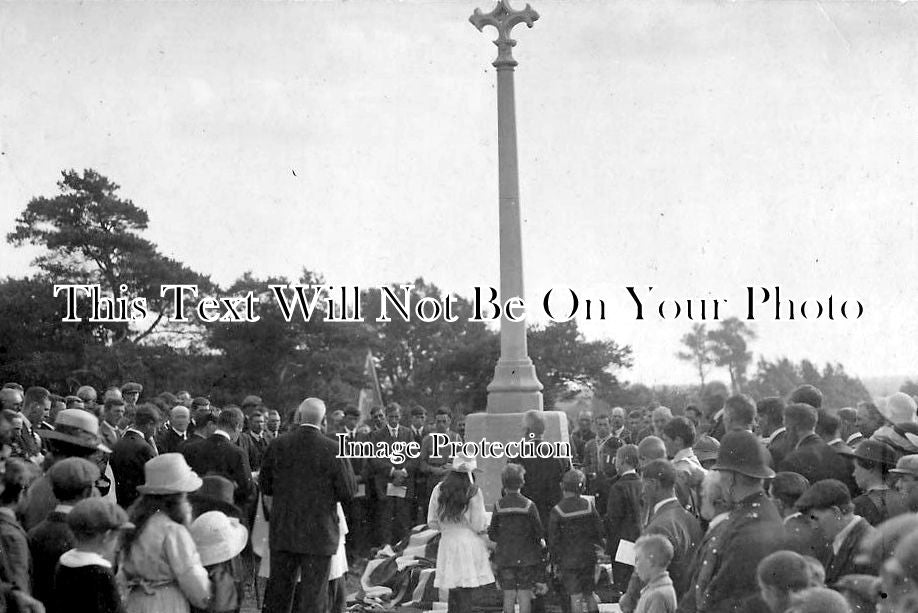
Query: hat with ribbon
[(169, 473), (873, 451), (218, 538), (76, 427)]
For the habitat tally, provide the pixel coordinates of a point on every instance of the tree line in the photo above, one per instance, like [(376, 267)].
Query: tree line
[(89, 234)]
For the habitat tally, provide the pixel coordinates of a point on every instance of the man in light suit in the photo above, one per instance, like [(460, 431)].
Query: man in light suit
[(302, 480)]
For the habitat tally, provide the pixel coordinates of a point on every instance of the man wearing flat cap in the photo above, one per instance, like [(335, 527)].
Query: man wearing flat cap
[(726, 571), (828, 506), (131, 392), (72, 480)]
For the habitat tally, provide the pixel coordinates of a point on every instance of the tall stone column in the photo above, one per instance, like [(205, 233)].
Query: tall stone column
[(515, 388)]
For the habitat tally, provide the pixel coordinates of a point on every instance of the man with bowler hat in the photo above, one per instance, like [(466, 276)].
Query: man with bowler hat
[(726, 573)]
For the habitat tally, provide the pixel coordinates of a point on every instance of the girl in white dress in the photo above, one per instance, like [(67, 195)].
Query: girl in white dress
[(457, 510)]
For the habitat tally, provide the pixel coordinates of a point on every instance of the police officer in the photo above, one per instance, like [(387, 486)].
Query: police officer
[(726, 573)]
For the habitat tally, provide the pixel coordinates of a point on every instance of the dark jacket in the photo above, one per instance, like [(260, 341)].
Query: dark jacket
[(623, 512), (217, 455), (805, 538), (47, 541), (128, 457), (15, 544), (543, 481), (846, 561), (876, 506), (683, 531), (725, 570), (85, 589), (255, 448), (517, 530), (303, 474), (381, 468), (816, 461), (574, 533), (168, 440), (779, 446)]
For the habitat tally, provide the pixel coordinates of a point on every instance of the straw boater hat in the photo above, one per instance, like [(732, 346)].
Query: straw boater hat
[(169, 473), (218, 537), (76, 427)]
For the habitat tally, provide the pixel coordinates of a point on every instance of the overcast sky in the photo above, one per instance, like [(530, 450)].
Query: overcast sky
[(695, 147)]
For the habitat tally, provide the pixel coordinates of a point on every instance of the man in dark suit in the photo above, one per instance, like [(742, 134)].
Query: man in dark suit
[(828, 505), (811, 456), (219, 455), (393, 483), (302, 479), (669, 519), (623, 511), (254, 441), (171, 438), (132, 452)]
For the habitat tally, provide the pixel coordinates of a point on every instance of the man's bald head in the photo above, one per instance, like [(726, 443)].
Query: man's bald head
[(311, 411), (179, 412), (651, 448)]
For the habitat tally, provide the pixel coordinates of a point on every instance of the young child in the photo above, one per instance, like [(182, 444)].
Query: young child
[(574, 534), (652, 555), (457, 510), (623, 512), (219, 540), (72, 480), (517, 530), (83, 581), (160, 565)]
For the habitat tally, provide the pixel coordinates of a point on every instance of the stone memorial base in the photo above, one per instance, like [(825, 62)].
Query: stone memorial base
[(506, 427)]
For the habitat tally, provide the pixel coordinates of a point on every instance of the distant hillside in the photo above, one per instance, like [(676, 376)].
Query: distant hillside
[(884, 386)]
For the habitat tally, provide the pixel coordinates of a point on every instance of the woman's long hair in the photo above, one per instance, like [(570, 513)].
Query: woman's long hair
[(145, 507), (455, 492)]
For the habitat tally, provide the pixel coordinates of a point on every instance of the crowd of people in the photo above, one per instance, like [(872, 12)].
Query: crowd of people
[(775, 506), (780, 505)]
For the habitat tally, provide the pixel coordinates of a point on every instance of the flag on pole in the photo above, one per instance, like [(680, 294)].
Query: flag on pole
[(370, 395)]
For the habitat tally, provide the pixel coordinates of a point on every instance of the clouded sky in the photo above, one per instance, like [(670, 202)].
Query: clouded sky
[(698, 148)]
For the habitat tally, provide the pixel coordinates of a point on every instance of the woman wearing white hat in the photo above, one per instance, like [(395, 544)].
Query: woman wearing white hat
[(457, 509), (160, 564)]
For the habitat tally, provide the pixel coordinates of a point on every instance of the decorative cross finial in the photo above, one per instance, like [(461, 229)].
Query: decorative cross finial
[(503, 18)]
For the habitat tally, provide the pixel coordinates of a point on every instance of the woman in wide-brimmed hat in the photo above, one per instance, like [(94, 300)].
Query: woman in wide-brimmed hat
[(457, 510), (160, 563)]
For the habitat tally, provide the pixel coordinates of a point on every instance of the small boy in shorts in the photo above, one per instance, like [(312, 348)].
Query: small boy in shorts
[(517, 530), (575, 533)]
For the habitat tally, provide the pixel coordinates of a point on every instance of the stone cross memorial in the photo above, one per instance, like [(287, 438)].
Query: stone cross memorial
[(515, 388)]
